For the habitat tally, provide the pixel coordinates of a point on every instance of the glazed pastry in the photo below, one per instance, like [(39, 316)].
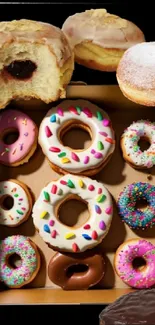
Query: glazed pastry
[(136, 73), (30, 261), (99, 39), (134, 276), (134, 308), (73, 239), (62, 270), (145, 130), (137, 218), (36, 61), (22, 203), (22, 149), (83, 114)]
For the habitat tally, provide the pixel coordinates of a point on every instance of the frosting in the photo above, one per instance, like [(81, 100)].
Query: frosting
[(21, 246), (21, 206), (12, 119), (103, 29), (82, 112), (125, 255), (136, 218), (131, 136), (67, 238)]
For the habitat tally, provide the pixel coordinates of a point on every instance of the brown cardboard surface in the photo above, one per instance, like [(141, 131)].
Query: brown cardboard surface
[(115, 175)]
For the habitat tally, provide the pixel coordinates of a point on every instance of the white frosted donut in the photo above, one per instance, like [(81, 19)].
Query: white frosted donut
[(142, 129), (63, 237), (68, 114), (22, 203)]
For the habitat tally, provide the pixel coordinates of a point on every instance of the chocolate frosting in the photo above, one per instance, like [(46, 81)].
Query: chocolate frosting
[(135, 308)]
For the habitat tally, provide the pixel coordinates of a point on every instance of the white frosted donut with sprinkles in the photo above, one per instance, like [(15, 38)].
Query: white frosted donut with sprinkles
[(83, 114), (21, 199), (73, 239)]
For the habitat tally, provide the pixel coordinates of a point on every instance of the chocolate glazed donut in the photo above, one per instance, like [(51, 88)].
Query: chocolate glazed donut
[(72, 272)]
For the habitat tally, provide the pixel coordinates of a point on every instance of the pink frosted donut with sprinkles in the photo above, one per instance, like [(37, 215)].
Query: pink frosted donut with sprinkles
[(20, 151), (83, 114), (73, 239), (26, 249), (135, 263), (15, 203)]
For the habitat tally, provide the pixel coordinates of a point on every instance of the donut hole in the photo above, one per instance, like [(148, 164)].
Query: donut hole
[(76, 136), (141, 204), (144, 143), (10, 136), (73, 212), (14, 261), (138, 263), (20, 69), (77, 269), (7, 202)]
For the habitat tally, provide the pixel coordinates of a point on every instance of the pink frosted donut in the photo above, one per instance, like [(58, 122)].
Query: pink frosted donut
[(135, 263), (23, 148)]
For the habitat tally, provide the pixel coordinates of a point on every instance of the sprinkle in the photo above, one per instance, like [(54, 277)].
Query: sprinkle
[(53, 233), (108, 210), (24, 121), (7, 149), (98, 155), (87, 226), (81, 184), (78, 108), (14, 151), (60, 191), (16, 195), (43, 214), (87, 237), (86, 160), (46, 228), (87, 112), (103, 133), (21, 146), (63, 182), (74, 156), (53, 118), (51, 223), (70, 235), (21, 199), (26, 134), (94, 235), (65, 160), (62, 154), (54, 149), (101, 198), (5, 186), (10, 217), (20, 212), (46, 195), (70, 184), (102, 225), (99, 116), (100, 145), (97, 209), (2, 153), (48, 131), (93, 151), (14, 189), (91, 187), (54, 189), (75, 248), (15, 118), (60, 111), (106, 122), (23, 209), (110, 140), (99, 190), (73, 110)]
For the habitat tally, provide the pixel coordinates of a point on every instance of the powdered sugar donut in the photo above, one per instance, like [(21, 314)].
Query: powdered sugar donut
[(83, 114), (136, 73), (73, 239)]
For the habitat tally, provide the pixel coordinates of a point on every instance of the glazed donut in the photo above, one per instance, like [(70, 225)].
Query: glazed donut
[(22, 203), (73, 239), (23, 148), (134, 276), (99, 39), (83, 114), (60, 266), (30, 261), (36, 61), (141, 129), (128, 198), (136, 74)]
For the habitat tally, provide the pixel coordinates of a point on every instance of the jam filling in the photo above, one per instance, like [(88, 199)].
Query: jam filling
[(21, 69)]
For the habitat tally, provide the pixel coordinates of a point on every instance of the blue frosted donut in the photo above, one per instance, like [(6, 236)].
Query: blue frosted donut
[(128, 198)]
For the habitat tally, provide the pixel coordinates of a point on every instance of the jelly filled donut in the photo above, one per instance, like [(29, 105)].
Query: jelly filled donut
[(20, 151), (136, 73), (135, 263), (36, 61), (63, 270), (71, 114), (30, 261), (21, 207), (73, 239), (139, 130), (131, 195)]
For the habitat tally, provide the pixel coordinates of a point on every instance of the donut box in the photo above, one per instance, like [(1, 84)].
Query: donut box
[(37, 173)]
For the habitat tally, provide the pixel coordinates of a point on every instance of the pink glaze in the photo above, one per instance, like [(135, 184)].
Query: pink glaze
[(12, 153), (136, 278)]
